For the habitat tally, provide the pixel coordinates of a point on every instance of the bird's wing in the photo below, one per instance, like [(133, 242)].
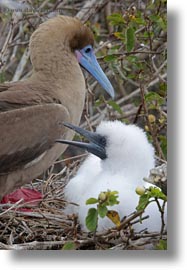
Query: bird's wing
[(3, 87), (26, 133), (16, 95)]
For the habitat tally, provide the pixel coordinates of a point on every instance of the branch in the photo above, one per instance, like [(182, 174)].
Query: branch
[(152, 131), (21, 65), (35, 245), (90, 8)]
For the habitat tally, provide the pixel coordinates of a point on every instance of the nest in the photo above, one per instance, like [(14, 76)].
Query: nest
[(46, 226)]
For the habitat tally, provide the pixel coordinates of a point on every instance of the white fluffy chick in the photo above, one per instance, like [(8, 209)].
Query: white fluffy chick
[(121, 157)]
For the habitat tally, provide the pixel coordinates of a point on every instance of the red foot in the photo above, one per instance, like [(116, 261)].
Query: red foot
[(29, 195)]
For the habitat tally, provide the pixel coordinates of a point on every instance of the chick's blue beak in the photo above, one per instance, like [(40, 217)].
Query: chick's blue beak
[(87, 60)]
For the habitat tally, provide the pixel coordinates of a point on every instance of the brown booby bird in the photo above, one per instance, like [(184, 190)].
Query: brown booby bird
[(32, 111)]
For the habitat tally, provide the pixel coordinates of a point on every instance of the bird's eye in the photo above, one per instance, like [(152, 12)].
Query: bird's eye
[(88, 50), (102, 141)]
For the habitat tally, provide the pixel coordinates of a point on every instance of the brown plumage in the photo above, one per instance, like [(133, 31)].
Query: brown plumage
[(32, 111)]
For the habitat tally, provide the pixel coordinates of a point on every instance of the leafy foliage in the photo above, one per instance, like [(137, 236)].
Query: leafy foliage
[(130, 39), (69, 246), (92, 219), (137, 55), (116, 19), (105, 199), (149, 196), (162, 245)]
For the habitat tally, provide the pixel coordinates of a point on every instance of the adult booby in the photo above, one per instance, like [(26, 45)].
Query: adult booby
[(32, 110)]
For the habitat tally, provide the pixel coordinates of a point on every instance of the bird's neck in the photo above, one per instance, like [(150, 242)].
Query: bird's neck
[(64, 84), (57, 66)]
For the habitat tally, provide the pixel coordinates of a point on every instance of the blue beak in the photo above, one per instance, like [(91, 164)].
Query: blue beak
[(87, 60)]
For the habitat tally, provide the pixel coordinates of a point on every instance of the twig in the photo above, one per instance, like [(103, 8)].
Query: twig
[(123, 224), (21, 65), (5, 46), (98, 117), (137, 91), (13, 206), (36, 245), (161, 210), (71, 158), (90, 8), (158, 70), (155, 140)]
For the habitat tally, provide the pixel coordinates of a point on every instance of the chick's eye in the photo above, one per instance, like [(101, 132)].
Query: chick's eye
[(103, 141), (88, 50)]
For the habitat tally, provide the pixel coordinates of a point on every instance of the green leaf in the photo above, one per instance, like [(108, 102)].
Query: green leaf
[(154, 18), (162, 245), (155, 192), (153, 96), (110, 58), (152, 192), (115, 192), (163, 144), (2, 77), (69, 246), (159, 21), (162, 89), (145, 34), (130, 39), (115, 106), (92, 201), (139, 20), (102, 210), (143, 201), (131, 76), (120, 35), (132, 58), (92, 219), (113, 199), (116, 19), (98, 102)]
